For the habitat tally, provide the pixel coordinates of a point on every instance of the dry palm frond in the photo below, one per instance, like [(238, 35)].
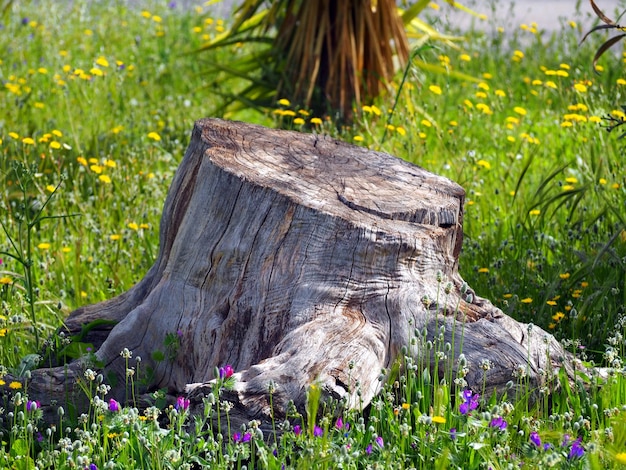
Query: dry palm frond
[(608, 24)]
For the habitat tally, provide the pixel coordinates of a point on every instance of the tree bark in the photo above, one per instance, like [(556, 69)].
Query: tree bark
[(297, 259)]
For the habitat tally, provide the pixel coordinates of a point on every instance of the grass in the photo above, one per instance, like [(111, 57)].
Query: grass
[(98, 101)]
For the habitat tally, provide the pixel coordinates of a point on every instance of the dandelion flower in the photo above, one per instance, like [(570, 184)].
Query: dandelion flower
[(15, 385), (579, 87), (527, 300), (106, 179), (28, 141), (284, 102), (154, 136), (44, 246), (298, 121), (519, 110), (317, 121), (435, 89), (439, 419)]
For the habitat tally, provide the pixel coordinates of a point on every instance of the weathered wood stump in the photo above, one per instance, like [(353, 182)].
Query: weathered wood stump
[(297, 258)]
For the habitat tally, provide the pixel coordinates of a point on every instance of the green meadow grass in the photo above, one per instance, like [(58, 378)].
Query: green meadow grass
[(97, 104)]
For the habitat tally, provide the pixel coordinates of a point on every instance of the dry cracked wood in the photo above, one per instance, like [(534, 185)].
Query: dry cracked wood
[(294, 257)]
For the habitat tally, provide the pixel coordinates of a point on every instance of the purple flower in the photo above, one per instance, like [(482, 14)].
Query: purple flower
[(470, 402), (92, 466), (577, 450), (535, 439), (453, 434), (499, 423), (39, 437), (171, 5), (226, 371), (380, 442), (317, 431), (25, 20), (297, 430), (32, 405), (113, 405), (339, 423), (237, 437), (368, 449), (182, 403)]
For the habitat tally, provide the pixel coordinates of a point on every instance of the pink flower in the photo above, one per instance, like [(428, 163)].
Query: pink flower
[(182, 403), (114, 405), (226, 371)]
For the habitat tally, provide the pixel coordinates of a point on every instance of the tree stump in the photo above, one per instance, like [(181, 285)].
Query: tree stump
[(296, 259)]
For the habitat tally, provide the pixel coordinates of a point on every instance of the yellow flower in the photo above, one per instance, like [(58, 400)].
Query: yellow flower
[(558, 316), (595, 119), (28, 141), (484, 108), (483, 270), (484, 163), (551, 84), (284, 102), (101, 61), (317, 121), (82, 161), (534, 212), (5, 280), (289, 112), (500, 93), (426, 123), (439, 420), (358, 138), (483, 86), (527, 300), (481, 95), (110, 163), (115, 237), (106, 179), (621, 458), (435, 89), (564, 275), (51, 188), (406, 406), (154, 136), (580, 87), (15, 385), (573, 24), (44, 246), (298, 121), (376, 110), (510, 138), (133, 226), (465, 57), (55, 145), (157, 19), (97, 169), (146, 14), (400, 130), (2, 382), (3, 333), (552, 303), (519, 110), (621, 81)]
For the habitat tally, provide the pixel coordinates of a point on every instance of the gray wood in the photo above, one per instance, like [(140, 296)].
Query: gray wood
[(293, 257)]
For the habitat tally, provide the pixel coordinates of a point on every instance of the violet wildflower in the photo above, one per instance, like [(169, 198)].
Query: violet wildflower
[(499, 423), (39, 437), (317, 431), (182, 403), (237, 437), (470, 402), (114, 405), (577, 450), (380, 442), (32, 405), (226, 371), (368, 449), (339, 423), (92, 466), (535, 439), (297, 430), (453, 434)]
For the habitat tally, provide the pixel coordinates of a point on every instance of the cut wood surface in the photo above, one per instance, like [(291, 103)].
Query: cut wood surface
[(297, 259)]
